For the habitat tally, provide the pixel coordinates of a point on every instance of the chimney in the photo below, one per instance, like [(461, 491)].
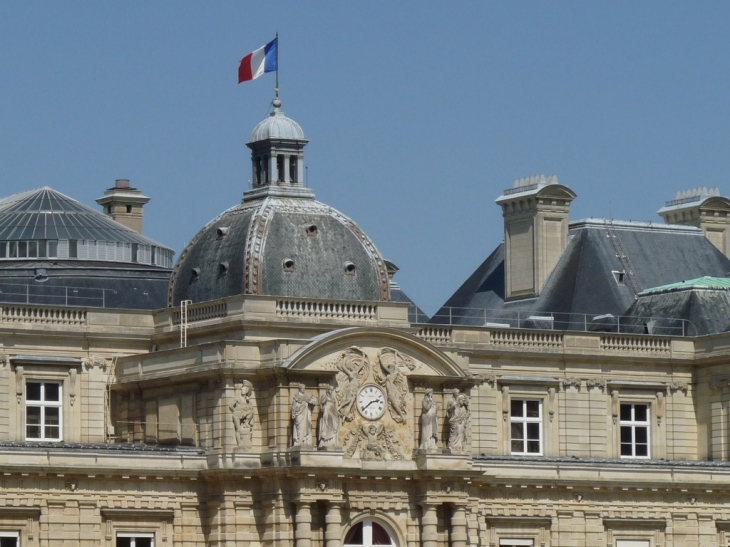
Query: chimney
[(535, 214), (704, 208), (124, 204)]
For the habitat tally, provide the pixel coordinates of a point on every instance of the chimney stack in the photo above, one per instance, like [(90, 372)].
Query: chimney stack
[(704, 208), (535, 214), (124, 204)]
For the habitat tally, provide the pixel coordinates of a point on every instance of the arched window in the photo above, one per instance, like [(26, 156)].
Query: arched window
[(367, 534)]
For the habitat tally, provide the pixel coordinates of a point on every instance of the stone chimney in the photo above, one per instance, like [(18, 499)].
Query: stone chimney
[(124, 204), (703, 208), (535, 214)]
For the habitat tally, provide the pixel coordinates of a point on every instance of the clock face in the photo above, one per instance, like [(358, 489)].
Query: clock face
[(371, 402)]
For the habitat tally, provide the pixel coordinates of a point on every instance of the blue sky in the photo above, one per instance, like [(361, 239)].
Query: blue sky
[(418, 114)]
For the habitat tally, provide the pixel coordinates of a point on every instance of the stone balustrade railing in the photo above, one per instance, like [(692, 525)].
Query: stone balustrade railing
[(43, 315), (435, 335), (641, 344), (201, 312), (326, 309), (527, 339)]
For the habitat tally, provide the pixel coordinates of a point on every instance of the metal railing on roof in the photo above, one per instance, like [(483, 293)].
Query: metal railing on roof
[(17, 293), (559, 321)]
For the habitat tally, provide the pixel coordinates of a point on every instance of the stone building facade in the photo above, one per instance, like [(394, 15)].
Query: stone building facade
[(259, 414)]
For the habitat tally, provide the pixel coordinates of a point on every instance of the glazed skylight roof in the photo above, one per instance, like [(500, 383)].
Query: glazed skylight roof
[(44, 213)]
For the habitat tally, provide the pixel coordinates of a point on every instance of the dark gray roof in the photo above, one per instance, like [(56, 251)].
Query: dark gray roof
[(85, 284), (247, 249), (415, 314), (44, 213), (583, 281)]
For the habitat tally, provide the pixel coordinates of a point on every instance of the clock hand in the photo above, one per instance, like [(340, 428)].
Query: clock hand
[(371, 402)]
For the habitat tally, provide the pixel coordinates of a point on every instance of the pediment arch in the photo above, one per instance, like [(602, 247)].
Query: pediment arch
[(428, 360)]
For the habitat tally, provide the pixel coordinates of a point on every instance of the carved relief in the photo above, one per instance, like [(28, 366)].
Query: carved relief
[(571, 382), (376, 442), (679, 386), (597, 383), (394, 367), (353, 366), (242, 414), (94, 361)]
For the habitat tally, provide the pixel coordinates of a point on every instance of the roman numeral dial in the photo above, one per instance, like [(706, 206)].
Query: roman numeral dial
[(371, 402)]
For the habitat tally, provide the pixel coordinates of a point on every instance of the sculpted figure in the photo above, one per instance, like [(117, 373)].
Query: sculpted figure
[(352, 366), (329, 418), (243, 414), (458, 414), (429, 422), (394, 381), (301, 415), (372, 449)]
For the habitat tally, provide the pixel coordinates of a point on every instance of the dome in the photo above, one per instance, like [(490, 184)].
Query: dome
[(280, 246), (277, 126)]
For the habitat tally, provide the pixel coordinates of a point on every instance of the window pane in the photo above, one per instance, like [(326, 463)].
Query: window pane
[(533, 447), (518, 446), (52, 392), (641, 435), (3, 249), (626, 434), (516, 408), (52, 432), (52, 249), (517, 431), (533, 409), (642, 450), (124, 542), (626, 449), (33, 249), (22, 249), (354, 536), (626, 413), (42, 249), (33, 391), (380, 536), (533, 431), (640, 412), (33, 422), (8, 542), (52, 416), (143, 542)]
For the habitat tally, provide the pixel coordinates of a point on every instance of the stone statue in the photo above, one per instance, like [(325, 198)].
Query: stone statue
[(329, 419), (243, 415), (458, 414), (429, 422), (301, 415)]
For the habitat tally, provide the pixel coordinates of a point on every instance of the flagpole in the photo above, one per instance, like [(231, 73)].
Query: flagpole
[(276, 89)]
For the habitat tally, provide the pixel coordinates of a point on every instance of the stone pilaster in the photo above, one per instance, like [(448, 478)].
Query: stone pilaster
[(303, 531)]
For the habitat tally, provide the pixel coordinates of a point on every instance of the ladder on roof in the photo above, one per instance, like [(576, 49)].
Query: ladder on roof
[(631, 279), (184, 322)]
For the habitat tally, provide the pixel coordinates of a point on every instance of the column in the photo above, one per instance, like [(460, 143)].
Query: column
[(303, 531), (458, 526), (333, 521), (429, 532)]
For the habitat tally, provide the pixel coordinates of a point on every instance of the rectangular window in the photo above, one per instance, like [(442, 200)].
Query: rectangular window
[(43, 404), (526, 426), (73, 248), (9, 539), (33, 249), (3, 249), (52, 248), (634, 430), (135, 540), (42, 248)]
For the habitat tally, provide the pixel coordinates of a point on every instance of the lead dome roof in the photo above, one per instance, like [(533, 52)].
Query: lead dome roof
[(280, 241), (277, 126)]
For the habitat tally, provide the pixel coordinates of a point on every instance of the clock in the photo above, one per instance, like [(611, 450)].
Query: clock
[(371, 402)]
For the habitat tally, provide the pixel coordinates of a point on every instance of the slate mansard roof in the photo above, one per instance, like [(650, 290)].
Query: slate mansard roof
[(586, 279)]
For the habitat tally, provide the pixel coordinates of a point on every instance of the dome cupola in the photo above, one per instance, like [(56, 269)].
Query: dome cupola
[(280, 241)]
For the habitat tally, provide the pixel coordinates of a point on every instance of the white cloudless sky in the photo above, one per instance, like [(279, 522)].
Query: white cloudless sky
[(418, 114)]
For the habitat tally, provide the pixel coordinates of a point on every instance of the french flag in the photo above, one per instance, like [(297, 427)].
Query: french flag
[(259, 62)]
